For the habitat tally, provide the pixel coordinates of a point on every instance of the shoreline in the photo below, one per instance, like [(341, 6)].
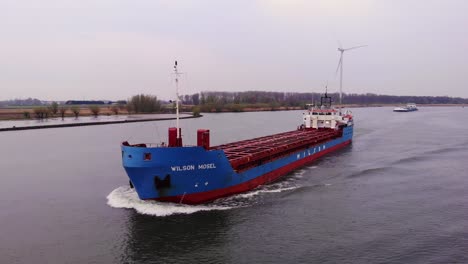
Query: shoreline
[(18, 128), (294, 108), (245, 110)]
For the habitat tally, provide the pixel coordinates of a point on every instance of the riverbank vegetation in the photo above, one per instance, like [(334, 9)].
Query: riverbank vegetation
[(206, 102), (41, 112), (241, 101), (144, 104)]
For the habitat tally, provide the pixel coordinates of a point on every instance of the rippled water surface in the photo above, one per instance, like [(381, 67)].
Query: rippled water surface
[(398, 194), (82, 119)]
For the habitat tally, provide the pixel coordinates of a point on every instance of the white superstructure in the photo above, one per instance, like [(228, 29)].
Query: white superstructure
[(325, 116), (408, 108)]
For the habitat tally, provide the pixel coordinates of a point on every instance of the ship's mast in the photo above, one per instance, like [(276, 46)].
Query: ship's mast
[(176, 72)]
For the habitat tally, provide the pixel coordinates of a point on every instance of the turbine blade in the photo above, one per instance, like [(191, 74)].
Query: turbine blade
[(355, 47), (339, 63)]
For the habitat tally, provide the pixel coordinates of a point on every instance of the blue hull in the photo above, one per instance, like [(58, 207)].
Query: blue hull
[(194, 175)]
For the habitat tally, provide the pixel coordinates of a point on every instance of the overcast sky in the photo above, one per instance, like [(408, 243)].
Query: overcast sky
[(113, 49)]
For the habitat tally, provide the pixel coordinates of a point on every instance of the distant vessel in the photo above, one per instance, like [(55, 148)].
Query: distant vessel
[(175, 173), (408, 108)]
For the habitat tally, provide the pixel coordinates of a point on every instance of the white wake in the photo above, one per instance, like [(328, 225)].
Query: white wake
[(125, 197)]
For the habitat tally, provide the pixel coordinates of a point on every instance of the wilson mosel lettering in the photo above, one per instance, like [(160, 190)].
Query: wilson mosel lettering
[(192, 167)]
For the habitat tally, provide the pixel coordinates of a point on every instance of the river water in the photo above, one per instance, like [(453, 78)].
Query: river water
[(398, 194), (83, 119)]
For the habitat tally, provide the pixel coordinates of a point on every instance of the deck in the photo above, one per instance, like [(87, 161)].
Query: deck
[(248, 153)]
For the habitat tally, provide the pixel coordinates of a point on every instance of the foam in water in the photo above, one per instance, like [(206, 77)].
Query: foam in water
[(282, 186), (125, 197), (263, 191)]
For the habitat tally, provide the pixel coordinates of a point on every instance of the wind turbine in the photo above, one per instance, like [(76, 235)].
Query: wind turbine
[(340, 65)]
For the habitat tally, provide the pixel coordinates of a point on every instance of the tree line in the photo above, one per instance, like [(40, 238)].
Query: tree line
[(136, 104), (54, 110), (300, 99), (21, 102), (225, 101)]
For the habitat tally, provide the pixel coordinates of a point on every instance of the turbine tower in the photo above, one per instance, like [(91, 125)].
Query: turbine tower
[(340, 66)]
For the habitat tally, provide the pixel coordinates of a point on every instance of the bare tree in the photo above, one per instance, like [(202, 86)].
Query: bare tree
[(62, 109), (196, 111), (41, 112), (76, 110), (115, 109), (53, 108), (95, 110), (144, 104)]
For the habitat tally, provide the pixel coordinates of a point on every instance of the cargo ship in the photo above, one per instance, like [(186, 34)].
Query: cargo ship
[(172, 172)]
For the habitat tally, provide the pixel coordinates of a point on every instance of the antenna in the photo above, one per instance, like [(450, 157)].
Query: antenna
[(340, 66), (326, 88)]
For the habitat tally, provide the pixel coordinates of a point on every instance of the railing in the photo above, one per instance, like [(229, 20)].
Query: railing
[(155, 145)]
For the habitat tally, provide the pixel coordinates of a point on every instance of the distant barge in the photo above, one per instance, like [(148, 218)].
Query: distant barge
[(407, 108)]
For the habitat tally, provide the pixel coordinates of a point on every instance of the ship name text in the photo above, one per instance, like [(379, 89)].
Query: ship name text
[(191, 167)]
